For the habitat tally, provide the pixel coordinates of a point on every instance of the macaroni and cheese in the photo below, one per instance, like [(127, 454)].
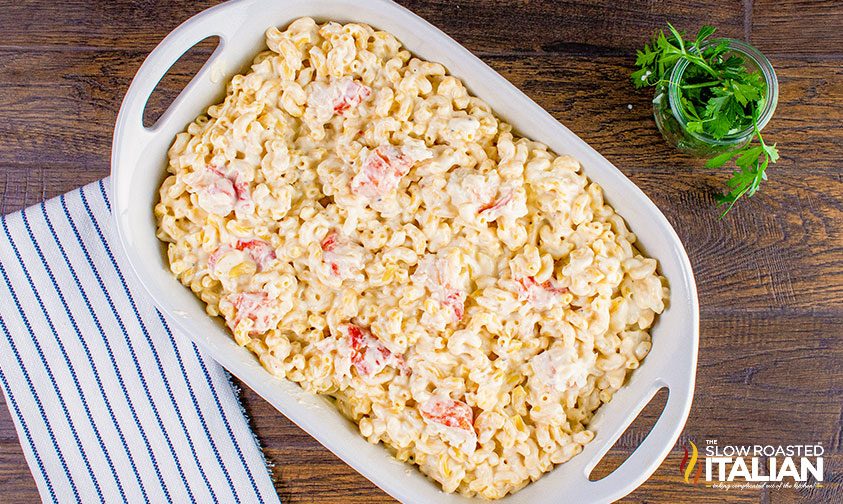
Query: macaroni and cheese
[(373, 232)]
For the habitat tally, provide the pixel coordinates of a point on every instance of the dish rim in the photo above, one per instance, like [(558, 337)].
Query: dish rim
[(132, 142)]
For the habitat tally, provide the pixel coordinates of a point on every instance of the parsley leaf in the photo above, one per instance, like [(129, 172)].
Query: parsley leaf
[(719, 96)]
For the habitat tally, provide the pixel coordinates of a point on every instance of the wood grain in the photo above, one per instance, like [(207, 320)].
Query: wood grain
[(483, 26), (751, 388), (590, 96), (810, 28), (769, 277)]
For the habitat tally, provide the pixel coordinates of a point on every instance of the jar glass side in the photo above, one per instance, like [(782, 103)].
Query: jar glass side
[(672, 122)]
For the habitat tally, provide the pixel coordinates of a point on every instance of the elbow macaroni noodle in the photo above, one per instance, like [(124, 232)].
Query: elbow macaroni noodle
[(374, 233)]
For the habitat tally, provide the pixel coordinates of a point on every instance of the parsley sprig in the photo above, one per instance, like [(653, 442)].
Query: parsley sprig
[(719, 96)]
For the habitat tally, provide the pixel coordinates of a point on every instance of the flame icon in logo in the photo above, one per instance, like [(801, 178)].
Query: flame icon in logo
[(686, 467)]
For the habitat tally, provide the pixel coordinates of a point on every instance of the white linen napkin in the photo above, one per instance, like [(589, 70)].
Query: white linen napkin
[(110, 403)]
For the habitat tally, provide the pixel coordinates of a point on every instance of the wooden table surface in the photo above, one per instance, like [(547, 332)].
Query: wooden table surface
[(770, 276)]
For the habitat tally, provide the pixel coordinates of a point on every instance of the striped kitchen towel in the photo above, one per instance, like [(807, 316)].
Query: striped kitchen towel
[(110, 402)]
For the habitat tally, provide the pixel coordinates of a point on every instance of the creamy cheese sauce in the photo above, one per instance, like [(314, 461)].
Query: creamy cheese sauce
[(375, 233)]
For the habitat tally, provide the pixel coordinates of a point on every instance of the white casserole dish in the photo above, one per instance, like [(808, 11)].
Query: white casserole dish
[(139, 157)]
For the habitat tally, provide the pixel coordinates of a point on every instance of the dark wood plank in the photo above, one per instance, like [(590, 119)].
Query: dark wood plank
[(483, 26), (22, 185), (15, 478), (797, 208), (590, 95), (769, 277), (572, 26), (774, 265), (804, 27), (666, 485), (744, 377), (79, 24)]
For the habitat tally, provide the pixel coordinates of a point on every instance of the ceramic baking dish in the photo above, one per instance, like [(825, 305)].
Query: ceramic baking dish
[(138, 166)]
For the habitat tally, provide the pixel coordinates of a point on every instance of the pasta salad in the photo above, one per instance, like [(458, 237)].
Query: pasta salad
[(373, 232)]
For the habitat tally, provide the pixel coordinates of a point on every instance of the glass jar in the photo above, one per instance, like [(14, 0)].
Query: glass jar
[(672, 121)]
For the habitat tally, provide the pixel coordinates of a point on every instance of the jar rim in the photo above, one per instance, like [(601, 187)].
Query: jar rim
[(771, 96)]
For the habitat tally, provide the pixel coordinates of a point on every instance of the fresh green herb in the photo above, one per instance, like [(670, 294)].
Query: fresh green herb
[(752, 161), (718, 95)]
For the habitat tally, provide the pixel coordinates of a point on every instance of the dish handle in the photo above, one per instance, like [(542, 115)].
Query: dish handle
[(646, 458), (218, 21)]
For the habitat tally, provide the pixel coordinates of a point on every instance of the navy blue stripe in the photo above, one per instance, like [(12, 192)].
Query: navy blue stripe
[(70, 367), (22, 421), (90, 357), (29, 380), (67, 359), (227, 425), (201, 363), (111, 355), (199, 414), (183, 426), (148, 341)]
